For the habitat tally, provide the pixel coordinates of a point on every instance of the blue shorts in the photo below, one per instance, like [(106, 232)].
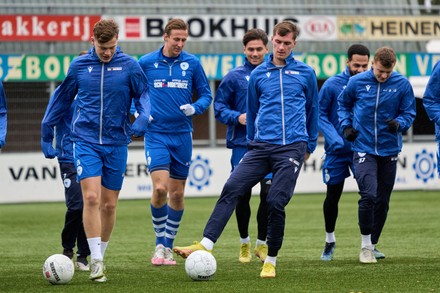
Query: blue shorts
[(169, 151), (109, 162), (337, 167), (237, 154)]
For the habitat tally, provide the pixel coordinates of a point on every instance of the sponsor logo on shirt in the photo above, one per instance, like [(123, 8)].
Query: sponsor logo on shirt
[(175, 83)]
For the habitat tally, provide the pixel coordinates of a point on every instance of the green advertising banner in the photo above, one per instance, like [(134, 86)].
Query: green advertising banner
[(16, 67)]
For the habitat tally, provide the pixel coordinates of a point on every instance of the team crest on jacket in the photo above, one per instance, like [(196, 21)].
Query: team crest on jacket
[(184, 65)]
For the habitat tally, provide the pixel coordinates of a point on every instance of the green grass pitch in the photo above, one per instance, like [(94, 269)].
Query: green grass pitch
[(410, 240)]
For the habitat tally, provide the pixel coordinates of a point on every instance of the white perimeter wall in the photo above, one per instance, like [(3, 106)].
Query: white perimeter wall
[(29, 177)]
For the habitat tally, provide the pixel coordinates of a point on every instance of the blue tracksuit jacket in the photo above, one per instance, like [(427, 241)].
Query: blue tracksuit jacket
[(172, 85), (334, 143), (230, 103), (104, 93), (366, 104), (64, 144), (431, 99), (282, 104)]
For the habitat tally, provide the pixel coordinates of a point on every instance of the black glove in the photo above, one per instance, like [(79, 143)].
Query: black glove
[(393, 125), (350, 133)]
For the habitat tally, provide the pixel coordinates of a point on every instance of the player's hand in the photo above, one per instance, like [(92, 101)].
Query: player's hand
[(307, 156), (242, 119), (393, 125), (188, 110), (140, 125), (350, 133), (48, 150)]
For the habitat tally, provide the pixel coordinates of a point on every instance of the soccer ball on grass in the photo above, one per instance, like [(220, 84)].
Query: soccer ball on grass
[(200, 265), (58, 269)]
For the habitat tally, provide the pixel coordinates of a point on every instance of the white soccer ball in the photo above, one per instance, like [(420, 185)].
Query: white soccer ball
[(200, 265), (58, 269)]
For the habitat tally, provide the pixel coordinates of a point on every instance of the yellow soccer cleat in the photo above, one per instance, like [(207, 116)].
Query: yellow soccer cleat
[(245, 253), (268, 270), (185, 251), (261, 252)]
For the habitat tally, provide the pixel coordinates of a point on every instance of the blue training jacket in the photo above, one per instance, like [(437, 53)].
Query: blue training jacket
[(431, 99), (104, 93), (172, 85), (367, 104), (334, 142), (282, 104), (3, 116), (64, 144), (230, 103)]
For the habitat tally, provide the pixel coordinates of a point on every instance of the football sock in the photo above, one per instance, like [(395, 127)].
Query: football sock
[(103, 248), (245, 240), (366, 241), (330, 237), (271, 259), (172, 226), (260, 242), (207, 243), (95, 248), (159, 216)]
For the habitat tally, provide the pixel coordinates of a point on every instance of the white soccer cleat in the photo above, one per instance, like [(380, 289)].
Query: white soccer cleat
[(367, 255)]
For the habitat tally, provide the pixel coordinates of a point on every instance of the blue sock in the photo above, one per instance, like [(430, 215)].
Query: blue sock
[(172, 226), (159, 216)]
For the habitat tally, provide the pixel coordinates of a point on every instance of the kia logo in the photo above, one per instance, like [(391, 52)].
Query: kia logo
[(320, 27)]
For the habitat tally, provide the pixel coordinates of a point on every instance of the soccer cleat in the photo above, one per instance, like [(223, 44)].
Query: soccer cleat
[(82, 264), (97, 271), (185, 251), (367, 255), (260, 251), (268, 270), (378, 254), (158, 256), (168, 259), (327, 253), (245, 253)]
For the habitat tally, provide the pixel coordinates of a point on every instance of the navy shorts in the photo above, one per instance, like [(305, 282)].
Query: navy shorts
[(109, 162), (337, 167), (169, 151)]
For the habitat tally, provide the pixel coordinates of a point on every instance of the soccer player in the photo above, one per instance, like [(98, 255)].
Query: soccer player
[(104, 82), (73, 231), (374, 109), (431, 102), (173, 77), (3, 116), (230, 109), (338, 159), (282, 130)]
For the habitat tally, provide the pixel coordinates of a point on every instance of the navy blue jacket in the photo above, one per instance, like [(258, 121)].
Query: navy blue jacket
[(104, 94), (334, 142), (282, 104), (230, 103), (367, 104)]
